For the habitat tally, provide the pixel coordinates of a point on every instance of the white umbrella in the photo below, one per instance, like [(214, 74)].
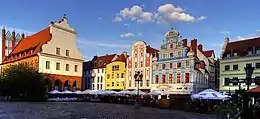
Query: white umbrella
[(210, 94), (67, 92), (158, 92), (124, 92), (78, 91), (54, 92), (135, 92), (86, 92)]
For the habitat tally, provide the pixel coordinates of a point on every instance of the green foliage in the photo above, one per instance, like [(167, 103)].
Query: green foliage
[(21, 81)]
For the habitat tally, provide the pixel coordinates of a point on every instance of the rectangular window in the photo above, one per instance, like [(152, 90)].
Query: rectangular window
[(141, 64), (156, 79), (178, 78), (170, 79), (108, 84), (122, 75), (249, 65), (235, 54), (130, 83), (58, 51), (117, 83), (187, 78), (227, 68), (157, 66), (235, 67), (115, 68), (258, 51), (102, 70), (135, 64), (163, 79), (97, 70), (178, 65), (67, 53), (48, 64), (57, 66), (76, 68), (141, 83), (101, 87), (187, 63), (98, 86), (67, 67), (93, 87), (235, 78), (113, 83), (171, 55), (112, 76), (117, 75), (108, 76), (171, 66), (257, 65), (147, 83), (163, 66), (226, 81)]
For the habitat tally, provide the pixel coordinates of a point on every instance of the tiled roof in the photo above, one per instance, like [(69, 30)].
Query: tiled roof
[(241, 46), (102, 61), (121, 58), (208, 53), (152, 51), (29, 46)]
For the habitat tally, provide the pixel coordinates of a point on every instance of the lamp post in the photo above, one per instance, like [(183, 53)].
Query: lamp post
[(249, 71), (138, 77)]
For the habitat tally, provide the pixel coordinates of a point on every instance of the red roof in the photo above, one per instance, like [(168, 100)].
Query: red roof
[(121, 58), (29, 46), (102, 61), (254, 90), (241, 46), (152, 51), (208, 53)]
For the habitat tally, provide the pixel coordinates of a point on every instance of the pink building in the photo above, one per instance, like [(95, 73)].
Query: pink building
[(140, 60)]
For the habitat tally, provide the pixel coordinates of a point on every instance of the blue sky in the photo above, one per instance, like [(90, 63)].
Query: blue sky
[(112, 26)]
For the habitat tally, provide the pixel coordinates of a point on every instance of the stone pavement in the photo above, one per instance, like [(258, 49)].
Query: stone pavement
[(84, 110)]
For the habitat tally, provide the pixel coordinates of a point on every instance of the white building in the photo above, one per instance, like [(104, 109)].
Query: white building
[(99, 70), (54, 53), (141, 60), (235, 56)]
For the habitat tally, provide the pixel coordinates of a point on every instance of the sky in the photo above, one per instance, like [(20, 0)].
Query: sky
[(112, 26)]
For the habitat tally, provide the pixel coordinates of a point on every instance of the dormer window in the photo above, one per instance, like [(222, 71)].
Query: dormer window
[(100, 63)]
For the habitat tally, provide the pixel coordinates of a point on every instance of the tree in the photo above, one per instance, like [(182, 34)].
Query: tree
[(22, 82)]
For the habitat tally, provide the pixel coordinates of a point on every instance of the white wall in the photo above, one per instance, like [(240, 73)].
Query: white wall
[(100, 74)]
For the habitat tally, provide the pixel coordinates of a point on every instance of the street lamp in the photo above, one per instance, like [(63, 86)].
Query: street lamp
[(138, 77), (249, 71)]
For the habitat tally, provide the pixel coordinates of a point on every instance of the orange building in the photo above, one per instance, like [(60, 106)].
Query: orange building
[(52, 52)]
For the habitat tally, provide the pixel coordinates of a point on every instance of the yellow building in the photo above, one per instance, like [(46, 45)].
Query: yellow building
[(116, 73)]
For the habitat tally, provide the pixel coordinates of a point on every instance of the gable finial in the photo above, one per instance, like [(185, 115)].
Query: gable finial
[(65, 16)]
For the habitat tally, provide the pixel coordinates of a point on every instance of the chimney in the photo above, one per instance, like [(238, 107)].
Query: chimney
[(185, 42), (23, 36), (194, 46), (200, 48), (3, 44), (13, 40)]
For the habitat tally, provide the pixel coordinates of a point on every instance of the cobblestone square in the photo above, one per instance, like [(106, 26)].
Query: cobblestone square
[(83, 110)]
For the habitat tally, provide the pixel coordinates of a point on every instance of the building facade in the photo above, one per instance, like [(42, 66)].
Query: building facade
[(140, 60), (181, 67), (116, 73), (87, 75), (99, 70), (52, 52), (235, 56)]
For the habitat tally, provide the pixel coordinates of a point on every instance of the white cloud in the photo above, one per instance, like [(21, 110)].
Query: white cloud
[(99, 18), (165, 14), (117, 19), (127, 35), (224, 32)]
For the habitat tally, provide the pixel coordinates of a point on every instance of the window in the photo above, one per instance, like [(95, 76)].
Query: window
[(117, 83), (141, 83), (97, 70), (97, 79), (93, 87), (227, 68), (235, 53), (117, 75), (235, 67), (187, 78), (108, 76), (249, 65), (101, 87), (157, 66), (115, 68), (112, 76), (58, 51), (57, 66), (141, 64), (187, 63), (171, 66), (171, 46), (123, 83), (67, 53), (178, 65), (135, 64), (48, 64), (147, 83), (122, 75), (170, 79), (113, 83), (163, 56), (228, 55), (171, 55), (130, 83), (76, 68), (163, 66), (142, 54), (93, 80), (135, 54), (178, 78), (257, 65), (156, 79), (102, 70), (67, 67), (179, 53), (101, 79), (97, 87), (235, 83), (258, 51), (163, 79), (226, 81)]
